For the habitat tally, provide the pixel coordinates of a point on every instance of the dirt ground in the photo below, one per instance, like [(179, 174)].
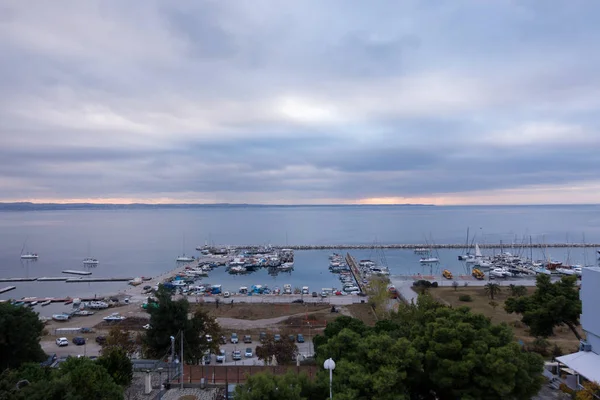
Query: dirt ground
[(248, 311), (563, 337)]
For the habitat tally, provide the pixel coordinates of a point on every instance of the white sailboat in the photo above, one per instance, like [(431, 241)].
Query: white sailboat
[(26, 255), (183, 257), (90, 261)]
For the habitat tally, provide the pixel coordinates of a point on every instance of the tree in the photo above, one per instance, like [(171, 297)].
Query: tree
[(590, 391), (76, 379), (283, 350), (517, 290), (170, 318), (492, 289), (122, 339), (551, 305), (378, 295), (20, 332), (430, 351), (266, 386), (117, 363)]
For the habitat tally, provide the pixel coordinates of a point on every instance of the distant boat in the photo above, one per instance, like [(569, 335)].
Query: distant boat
[(429, 260), (114, 317), (421, 250), (90, 261), (184, 258), (60, 317), (26, 255), (45, 303), (33, 303)]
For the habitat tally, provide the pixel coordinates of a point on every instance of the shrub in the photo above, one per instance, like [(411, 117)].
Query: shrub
[(465, 297), (434, 285)]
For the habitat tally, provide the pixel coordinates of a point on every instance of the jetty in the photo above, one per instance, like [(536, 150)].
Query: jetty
[(17, 279), (72, 280), (355, 272), (76, 272), (51, 279), (7, 289), (405, 246)]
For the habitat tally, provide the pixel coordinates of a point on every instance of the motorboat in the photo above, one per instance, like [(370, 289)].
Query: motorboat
[(29, 256), (429, 260), (33, 303), (483, 264), (45, 303), (60, 317), (185, 258), (83, 313), (237, 269), (565, 271), (421, 250), (97, 305), (541, 270), (114, 317)]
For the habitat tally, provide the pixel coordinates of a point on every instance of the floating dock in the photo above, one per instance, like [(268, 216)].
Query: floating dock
[(17, 279), (51, 278), (74, 280), (76, 272), (7, 289)]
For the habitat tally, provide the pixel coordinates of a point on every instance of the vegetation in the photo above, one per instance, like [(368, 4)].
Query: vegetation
[(282, 351), (590, 391), (118, 365), (517, 290), (551, 305), (265, 386), (120, 338), (20, 331), (170, 318), (492, 289), (76, 379), (379, 296), (465, 298), (428, 351)]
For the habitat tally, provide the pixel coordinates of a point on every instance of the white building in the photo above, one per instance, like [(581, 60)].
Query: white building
[(586, 362)]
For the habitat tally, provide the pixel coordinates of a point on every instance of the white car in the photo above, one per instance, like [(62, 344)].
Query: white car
[(209, 338), (62, 342), (249, 353), (221, 356), (234, 338), (226, 295), (147, 326)]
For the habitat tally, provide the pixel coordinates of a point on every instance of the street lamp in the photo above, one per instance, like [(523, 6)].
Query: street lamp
[(330, 365)]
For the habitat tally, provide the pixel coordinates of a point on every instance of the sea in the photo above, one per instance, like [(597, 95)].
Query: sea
[(145, 242)]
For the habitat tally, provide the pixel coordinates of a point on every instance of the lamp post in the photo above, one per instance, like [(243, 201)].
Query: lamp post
[(172, 355), (330, 365)]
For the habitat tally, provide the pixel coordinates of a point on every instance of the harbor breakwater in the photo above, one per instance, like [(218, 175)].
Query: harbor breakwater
[(404, 246)]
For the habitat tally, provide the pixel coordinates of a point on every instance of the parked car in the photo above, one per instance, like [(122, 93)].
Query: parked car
[(221, 356), (262, 337), (226, 295), (78, 340), (248, 353), (314, 294), (86, 330), (300, 338), (292, 338), (100, 339), (223, 339), (247, 339), (324, 294), (62, 342), (277, 337), (236, 355), (298, 301), (234, 338), (147, 287), (49, 361), (209, 338), (147, 326)]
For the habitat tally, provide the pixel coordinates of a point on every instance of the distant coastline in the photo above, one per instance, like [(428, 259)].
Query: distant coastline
[(28, 206)]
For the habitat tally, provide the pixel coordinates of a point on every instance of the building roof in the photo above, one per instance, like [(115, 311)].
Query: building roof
[(585, 363)]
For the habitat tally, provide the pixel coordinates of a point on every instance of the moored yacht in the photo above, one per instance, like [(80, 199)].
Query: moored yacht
[(429, 260)]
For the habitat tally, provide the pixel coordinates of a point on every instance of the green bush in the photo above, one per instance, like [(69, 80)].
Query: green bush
[(465, 297)]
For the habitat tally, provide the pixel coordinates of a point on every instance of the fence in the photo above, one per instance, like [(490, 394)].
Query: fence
[(221, 374)]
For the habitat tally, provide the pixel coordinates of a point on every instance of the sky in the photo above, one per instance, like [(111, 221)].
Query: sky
[(300, 102)]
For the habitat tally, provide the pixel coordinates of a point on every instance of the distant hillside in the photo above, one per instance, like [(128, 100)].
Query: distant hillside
[(26, 206)]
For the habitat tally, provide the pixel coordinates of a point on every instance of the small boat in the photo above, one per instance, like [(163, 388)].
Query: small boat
[(421, 250), (83, 313), (447, 274), (429, 260), (114, 317), (90, 261), (29, 256), (33, 303), (185, 258), (45, 303), (60, 317)]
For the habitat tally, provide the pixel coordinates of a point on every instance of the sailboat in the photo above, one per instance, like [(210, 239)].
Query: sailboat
[(90, 261), (465, 256), (183, 257), (26, 255)]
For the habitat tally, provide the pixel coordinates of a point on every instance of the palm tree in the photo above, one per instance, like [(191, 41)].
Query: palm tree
[(492, 289)]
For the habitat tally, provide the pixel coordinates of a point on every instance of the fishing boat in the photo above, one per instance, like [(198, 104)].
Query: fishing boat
[(60, 317), (45, 303), (447, 274)]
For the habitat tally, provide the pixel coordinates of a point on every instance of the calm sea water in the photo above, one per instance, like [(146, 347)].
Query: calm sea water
[(146, 242)]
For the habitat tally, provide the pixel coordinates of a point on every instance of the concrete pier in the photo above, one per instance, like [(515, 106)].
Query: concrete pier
[(17, 279), (7, 289), (76, 272), (75, 280)]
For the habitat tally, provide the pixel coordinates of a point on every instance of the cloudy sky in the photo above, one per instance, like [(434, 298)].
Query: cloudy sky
[(291, 102)]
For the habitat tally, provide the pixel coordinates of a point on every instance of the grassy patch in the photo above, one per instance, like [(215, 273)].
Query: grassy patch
[(563, 337), (258, 311), (364, 312)]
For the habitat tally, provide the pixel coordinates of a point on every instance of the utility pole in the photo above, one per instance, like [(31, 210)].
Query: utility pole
[(181, 360)]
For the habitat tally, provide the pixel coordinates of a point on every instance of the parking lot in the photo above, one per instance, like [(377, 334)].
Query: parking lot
[(304, 349), (89, 349)]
